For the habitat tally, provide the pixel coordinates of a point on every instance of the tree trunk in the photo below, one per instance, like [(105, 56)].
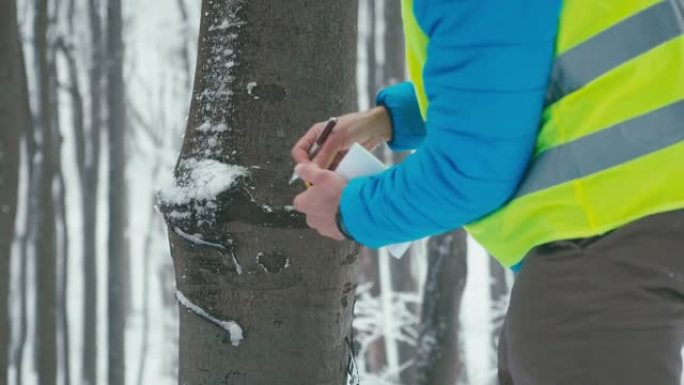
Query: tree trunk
[(393, 71), (117, 245), (88, 155), (376, 357), (14, 117), (264, 300), (43, 211), (373, 83), (61, 223), (439, 359), (499, 292)]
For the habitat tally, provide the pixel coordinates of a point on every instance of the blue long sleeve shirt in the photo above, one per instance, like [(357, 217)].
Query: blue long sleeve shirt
[(485, 78)]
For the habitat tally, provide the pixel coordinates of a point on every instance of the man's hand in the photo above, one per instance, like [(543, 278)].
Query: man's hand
[(320, 202), (369, 128)]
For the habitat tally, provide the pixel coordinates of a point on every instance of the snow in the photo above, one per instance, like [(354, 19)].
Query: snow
[(232, 327), (212, 128), (250, 88), (199, 240), (196, 239), (175, 214), (205, 180), (225, 24)]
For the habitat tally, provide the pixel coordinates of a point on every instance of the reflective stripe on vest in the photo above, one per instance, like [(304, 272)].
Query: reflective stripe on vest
[(605, 149), (607, 50)]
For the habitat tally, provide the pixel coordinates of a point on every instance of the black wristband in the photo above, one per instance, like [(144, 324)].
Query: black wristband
[(340, 225)]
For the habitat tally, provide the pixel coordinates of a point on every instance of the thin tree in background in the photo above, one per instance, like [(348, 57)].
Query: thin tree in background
[(42, 208), (263, 299), (88, 160), (499, 291), (117, 244), (376, 358), (14, 118), (439, 359), (61, 223), (403, 277)]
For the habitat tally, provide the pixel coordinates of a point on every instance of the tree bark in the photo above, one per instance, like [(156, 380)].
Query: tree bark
[(117, 244), (439, 359), (266, 70), (14, 117), (43, 211)]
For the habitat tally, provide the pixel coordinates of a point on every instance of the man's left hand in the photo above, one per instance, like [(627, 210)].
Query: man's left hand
[(320, 202)]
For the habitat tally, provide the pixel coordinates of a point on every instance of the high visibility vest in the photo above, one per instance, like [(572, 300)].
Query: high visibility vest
[(610, 149)]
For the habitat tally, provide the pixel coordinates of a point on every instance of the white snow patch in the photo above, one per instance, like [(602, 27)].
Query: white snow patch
[(210, 127), (250, 87), (196, 239), (225, 24), (205, 180), (175, 214), (238, 267), (232, 327), (267, 208)]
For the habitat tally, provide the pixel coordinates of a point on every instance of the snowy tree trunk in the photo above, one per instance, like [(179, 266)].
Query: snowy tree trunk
[(117, 241), (439, 359), (14, 117), (42, 208), (263, 299)]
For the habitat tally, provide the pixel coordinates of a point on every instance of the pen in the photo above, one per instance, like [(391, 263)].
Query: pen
[(313, 151)]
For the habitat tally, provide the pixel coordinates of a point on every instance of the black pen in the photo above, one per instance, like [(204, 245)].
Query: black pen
[(313, 151)]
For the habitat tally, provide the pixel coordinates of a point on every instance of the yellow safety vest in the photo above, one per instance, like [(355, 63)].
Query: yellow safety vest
[(611, 145)]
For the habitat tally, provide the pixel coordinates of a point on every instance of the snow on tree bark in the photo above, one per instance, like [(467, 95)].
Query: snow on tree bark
[(240, 253), (14, 117)]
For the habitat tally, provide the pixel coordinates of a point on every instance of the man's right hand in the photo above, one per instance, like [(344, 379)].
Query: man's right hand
[(368, 128)]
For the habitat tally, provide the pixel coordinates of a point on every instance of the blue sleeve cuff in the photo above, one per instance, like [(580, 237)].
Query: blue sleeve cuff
[(408, 127), (353, 216)]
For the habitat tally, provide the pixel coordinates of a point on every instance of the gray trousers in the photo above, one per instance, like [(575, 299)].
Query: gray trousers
[(601, 311)]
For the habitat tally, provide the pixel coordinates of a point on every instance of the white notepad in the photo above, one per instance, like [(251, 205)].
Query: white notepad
[(359, 162)]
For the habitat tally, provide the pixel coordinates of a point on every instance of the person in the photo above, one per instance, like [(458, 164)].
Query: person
[(554, 131)]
